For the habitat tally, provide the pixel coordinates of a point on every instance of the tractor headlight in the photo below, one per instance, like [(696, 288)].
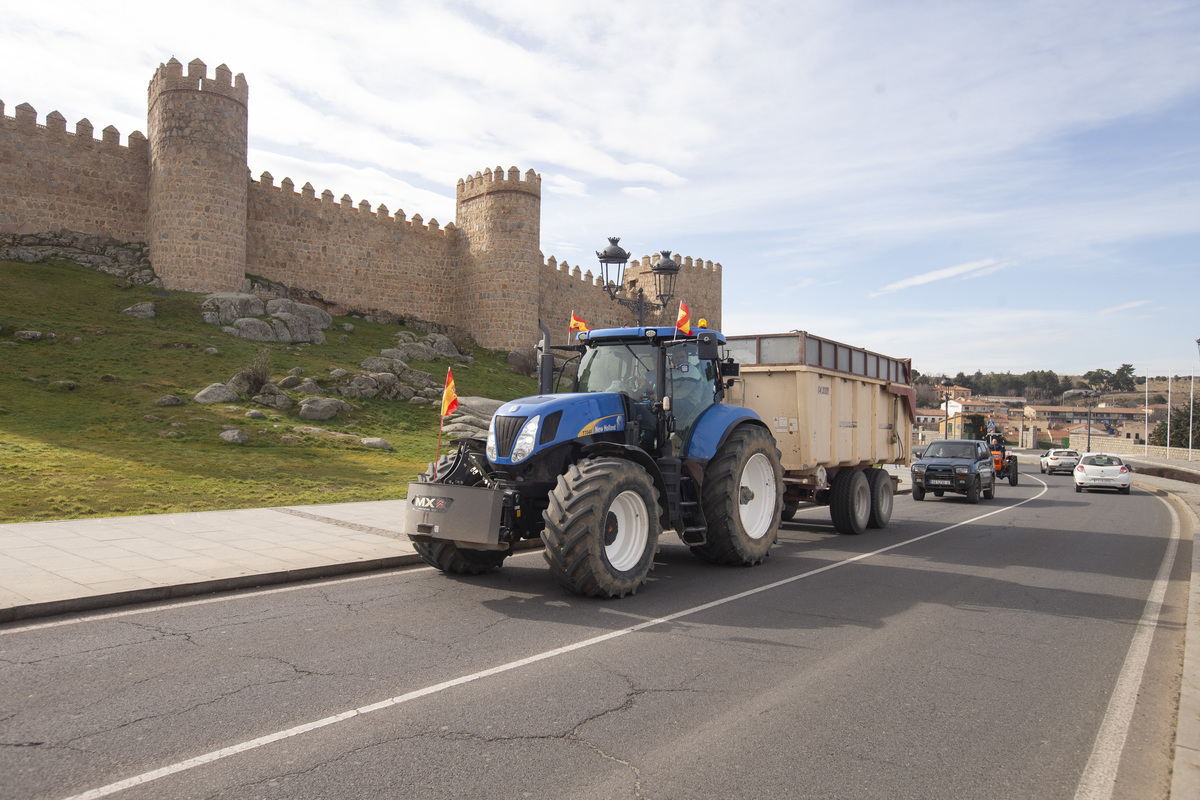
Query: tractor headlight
[(491, 444), (962, 470), (523, 447)]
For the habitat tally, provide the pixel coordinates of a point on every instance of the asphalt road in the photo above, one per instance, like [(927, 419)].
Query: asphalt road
[(967, 651)]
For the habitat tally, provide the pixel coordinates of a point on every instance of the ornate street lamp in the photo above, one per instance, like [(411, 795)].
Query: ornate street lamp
[(613, 260)]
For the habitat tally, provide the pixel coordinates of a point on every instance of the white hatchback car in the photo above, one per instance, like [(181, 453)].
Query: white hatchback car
[(1101, 471), (1054, 460)]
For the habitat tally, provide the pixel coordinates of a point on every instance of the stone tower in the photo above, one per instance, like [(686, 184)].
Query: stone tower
[(498, 292), (196, 226)]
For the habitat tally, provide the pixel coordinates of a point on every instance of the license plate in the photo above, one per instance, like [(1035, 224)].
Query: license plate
[(939, 482), (1101, 480)]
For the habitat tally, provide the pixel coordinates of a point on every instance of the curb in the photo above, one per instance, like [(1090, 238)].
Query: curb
[(157, 593), (1185, 775), (153, 594)]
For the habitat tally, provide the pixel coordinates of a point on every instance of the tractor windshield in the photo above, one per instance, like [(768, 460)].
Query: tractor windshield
[(618, 367)]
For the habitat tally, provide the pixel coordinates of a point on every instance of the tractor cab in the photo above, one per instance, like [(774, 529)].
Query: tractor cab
[(666, 380)]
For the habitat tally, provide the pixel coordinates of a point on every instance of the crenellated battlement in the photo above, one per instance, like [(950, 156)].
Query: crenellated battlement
[(488, 182), (346, 205), (25, 121), (169, 77)]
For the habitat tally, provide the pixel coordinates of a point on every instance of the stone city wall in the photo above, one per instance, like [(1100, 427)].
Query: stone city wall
[(186, 193), (355, 258), (51, 179)]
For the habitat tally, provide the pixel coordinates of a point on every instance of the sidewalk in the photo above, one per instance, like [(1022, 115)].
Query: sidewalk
[(76, 565)]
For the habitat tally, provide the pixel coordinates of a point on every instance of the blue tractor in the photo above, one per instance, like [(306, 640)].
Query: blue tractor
[(640, 442)]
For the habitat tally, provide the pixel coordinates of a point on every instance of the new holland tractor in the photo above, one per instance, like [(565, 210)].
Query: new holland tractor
[(640, 442)]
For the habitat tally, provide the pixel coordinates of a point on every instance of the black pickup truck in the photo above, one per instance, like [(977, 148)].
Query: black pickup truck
[(962, 466)]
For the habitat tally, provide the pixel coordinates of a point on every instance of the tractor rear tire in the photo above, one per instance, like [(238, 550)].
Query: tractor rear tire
[(742, 499), (602, 527), (1013, 474), (882, 497), (850, 502), (448, 556)]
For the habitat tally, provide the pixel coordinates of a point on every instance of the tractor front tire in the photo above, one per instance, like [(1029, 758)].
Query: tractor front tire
[(1013, 474), (882, 497), (742, 499), (789, 511), (850, 502), (602, 527), (448, 556)]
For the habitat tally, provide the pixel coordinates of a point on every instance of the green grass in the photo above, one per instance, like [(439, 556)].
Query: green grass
[(97, 450)]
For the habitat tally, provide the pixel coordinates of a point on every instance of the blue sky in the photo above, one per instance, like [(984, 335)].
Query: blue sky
[(1000, 186)]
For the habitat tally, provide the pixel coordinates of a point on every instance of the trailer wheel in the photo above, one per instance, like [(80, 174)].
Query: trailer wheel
[(743, 495), (850, 502), (1013, 474), (882, 497), (602, 527), (918, 492), (446, 555)]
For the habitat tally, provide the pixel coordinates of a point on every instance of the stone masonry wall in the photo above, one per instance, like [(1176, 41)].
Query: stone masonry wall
[(51, 179), (354, 257)]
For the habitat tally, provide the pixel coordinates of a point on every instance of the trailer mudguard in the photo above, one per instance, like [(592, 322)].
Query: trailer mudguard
[(713, 426)]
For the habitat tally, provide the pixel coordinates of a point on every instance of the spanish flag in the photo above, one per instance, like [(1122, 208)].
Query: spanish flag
[(683, 321), (578, 323), (449, 395)]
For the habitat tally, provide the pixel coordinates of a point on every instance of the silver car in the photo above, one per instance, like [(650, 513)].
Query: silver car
[(1055, 460)]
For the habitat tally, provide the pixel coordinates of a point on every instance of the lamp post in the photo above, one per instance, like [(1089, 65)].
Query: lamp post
[(1089, 393), (613, 260)]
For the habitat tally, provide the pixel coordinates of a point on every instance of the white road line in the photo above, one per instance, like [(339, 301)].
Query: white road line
[(1099, 777), (216, 755)]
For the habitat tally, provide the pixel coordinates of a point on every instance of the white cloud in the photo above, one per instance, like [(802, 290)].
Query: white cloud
[(972, 269)]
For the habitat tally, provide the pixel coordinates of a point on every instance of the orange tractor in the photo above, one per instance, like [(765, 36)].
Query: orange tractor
[(1004, 465)]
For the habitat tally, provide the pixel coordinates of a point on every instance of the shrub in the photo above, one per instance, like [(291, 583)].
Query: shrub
[(257, 373)]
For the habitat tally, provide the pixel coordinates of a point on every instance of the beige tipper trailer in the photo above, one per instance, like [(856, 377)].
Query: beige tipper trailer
[(838, 414)]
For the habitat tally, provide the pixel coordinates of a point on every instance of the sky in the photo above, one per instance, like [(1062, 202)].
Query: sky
[(995, 186)]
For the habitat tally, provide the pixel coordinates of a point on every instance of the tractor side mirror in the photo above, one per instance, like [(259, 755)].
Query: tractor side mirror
[(707, 347), (730, 369)]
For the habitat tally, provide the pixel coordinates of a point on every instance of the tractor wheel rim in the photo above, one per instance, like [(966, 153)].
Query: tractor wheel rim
[(756, 496), (626, 531)]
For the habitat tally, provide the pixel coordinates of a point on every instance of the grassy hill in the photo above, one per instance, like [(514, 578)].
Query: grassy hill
[(81, 436)]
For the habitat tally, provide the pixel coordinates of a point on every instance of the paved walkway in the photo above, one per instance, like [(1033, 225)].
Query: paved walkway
[(81, 564)]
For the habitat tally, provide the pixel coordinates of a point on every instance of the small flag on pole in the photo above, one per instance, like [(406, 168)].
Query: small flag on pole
[(578, 323), (683, 321), (449, 394)]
